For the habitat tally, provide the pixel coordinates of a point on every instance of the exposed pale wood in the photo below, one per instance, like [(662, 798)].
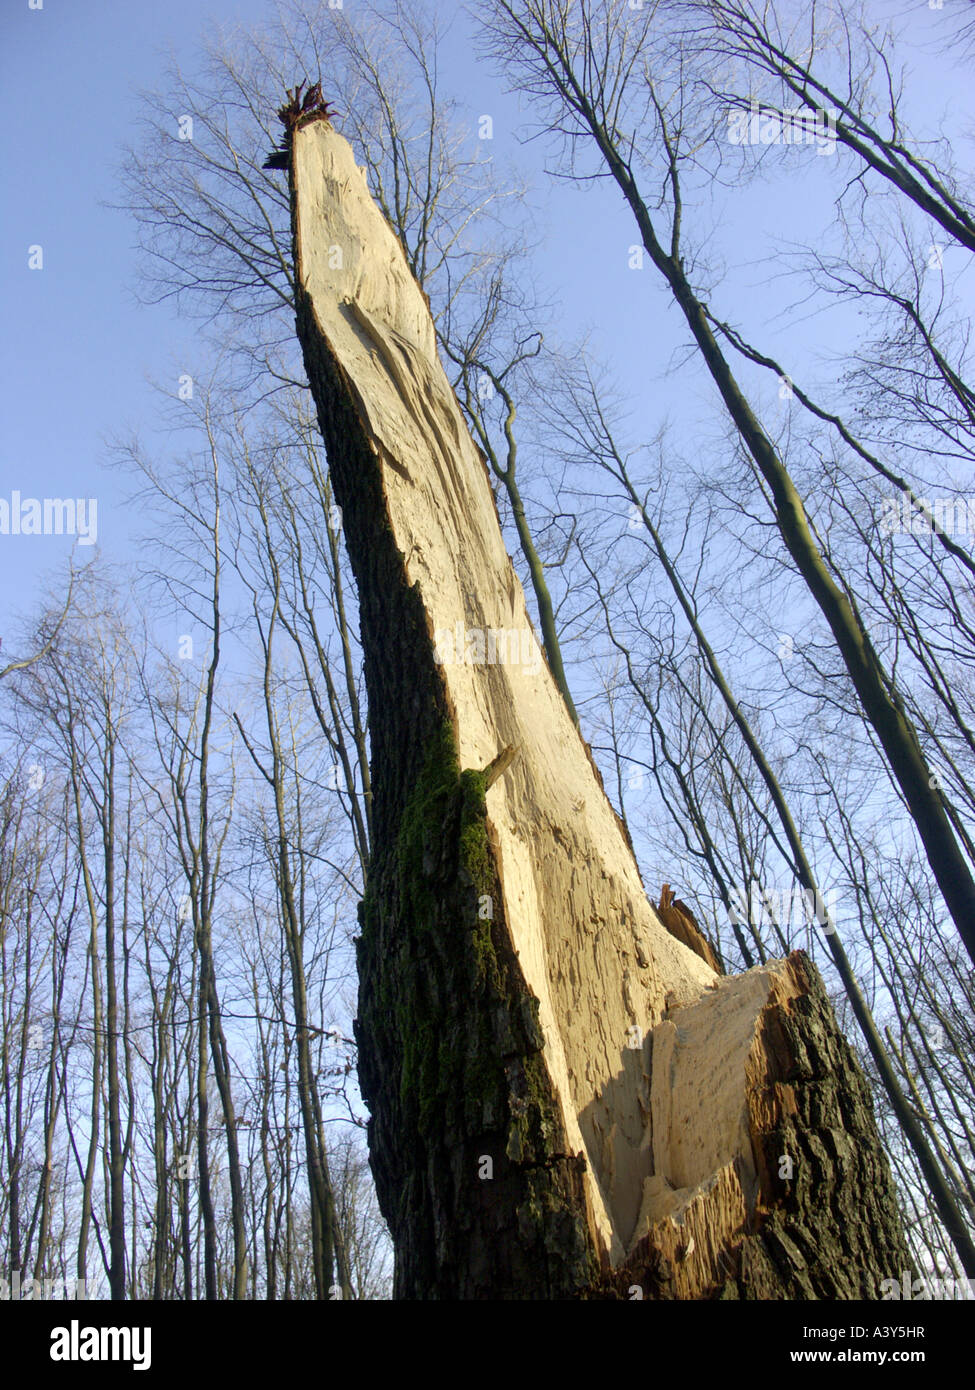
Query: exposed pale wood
[(564, 1095), (680, 921)]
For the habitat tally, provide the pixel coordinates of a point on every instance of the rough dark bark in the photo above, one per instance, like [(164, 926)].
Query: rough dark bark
[(831, 1230), (448, 1036)]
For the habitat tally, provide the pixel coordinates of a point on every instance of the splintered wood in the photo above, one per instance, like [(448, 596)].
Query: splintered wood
[(654, 1065)]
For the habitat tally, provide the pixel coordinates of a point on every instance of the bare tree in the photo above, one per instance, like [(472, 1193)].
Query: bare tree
[(591, 77)]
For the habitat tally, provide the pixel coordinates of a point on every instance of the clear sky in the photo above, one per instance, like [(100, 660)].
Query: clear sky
[(77, 348)]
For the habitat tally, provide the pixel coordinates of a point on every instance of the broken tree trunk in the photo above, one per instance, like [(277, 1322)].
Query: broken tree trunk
[(565, 1099)]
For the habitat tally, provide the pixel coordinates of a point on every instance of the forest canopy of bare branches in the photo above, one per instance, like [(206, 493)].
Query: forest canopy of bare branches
[(743, 518)]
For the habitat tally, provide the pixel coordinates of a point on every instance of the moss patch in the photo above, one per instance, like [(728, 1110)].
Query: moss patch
[(444, 1004)]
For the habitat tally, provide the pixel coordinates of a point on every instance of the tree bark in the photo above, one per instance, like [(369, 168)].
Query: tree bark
[(565, 1100)]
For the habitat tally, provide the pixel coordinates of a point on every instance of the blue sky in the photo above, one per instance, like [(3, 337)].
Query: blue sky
[(78, 349)]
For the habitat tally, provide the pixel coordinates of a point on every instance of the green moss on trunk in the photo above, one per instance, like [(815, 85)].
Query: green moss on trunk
[(446, 1013)]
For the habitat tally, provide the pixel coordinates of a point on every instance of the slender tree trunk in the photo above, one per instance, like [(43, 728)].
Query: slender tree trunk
[(116, 1194), (52, 1096), (97, 1017), (328, 1251), (207, 1211), (882, 705)]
